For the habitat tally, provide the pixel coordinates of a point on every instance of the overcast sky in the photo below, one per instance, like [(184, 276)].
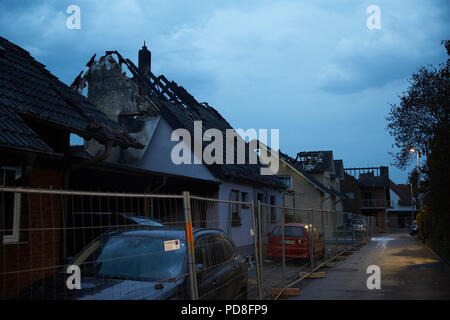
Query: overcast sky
[(309, 68)]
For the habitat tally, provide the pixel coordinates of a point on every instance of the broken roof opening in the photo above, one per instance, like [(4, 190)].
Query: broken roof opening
[(156, 95), (76, 140)]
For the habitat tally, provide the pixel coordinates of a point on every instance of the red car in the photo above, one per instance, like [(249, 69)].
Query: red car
[(296, 236)]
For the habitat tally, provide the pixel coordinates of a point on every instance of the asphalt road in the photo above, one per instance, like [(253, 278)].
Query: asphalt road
[(409, 270)]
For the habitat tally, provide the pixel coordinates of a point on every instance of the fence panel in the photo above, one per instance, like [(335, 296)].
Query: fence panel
[(109, 244), (149, 246), (225, 249), (296, 241), (285, 245)]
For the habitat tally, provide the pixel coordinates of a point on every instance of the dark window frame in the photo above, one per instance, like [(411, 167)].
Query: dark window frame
[(234, 207), (273, 215), (14, 235), (244, 198)]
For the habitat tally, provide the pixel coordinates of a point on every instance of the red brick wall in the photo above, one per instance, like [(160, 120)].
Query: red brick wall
[(39, 250)]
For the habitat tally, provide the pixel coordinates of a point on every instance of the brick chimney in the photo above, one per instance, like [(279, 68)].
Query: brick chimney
[(145, 60)]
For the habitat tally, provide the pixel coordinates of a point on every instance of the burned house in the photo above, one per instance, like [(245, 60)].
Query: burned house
[(151, 108), (38, 114)]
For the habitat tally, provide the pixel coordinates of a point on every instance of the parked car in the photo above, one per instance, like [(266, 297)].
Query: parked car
[(86, 226), (296, 237), (142, 262), (413, 228)]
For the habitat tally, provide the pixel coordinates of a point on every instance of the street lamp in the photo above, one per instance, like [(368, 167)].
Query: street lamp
[(412, 207), (412, 150)]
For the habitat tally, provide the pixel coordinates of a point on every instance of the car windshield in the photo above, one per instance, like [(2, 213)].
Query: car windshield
[(289, 231), (131, 257)]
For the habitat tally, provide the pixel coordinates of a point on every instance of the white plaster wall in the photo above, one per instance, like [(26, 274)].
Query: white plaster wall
[(158, 156)]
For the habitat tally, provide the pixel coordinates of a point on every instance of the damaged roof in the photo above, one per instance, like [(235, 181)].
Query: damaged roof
[(15, 133), (315, 161), (29, 91), (180, 109), (299, 167)]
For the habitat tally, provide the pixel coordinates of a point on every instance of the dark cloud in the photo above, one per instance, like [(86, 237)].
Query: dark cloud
[(309, 68)]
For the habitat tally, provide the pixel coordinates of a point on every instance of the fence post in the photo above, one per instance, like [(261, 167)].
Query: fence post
[(261, 269), (2, 224), (257, 257), (311, 240), (345, 230), (283, 240), (190, 246), (367, 229), (335, 224), (324, 230), (352, 230)]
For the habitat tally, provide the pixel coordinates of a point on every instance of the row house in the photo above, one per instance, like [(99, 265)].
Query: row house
[(151, 108), (124, 152), (38, 115), (312, 183), (402, 211), (368, 192)]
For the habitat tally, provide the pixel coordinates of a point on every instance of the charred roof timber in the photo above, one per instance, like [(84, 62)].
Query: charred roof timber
[(139, 101), (315, 161), (31, 93)]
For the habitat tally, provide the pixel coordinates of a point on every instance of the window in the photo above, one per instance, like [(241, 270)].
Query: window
[(235, 217), (244, 198), (351, 195), (273, 216), (132, 257), (10, 204), (286, 180), (259, 197), (201, 247), (289, 232)]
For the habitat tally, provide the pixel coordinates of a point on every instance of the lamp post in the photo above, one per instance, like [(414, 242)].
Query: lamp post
[(412, 208), (412, 150)]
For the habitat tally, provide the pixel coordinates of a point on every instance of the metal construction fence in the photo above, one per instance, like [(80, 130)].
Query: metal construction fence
[(58, 244)]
